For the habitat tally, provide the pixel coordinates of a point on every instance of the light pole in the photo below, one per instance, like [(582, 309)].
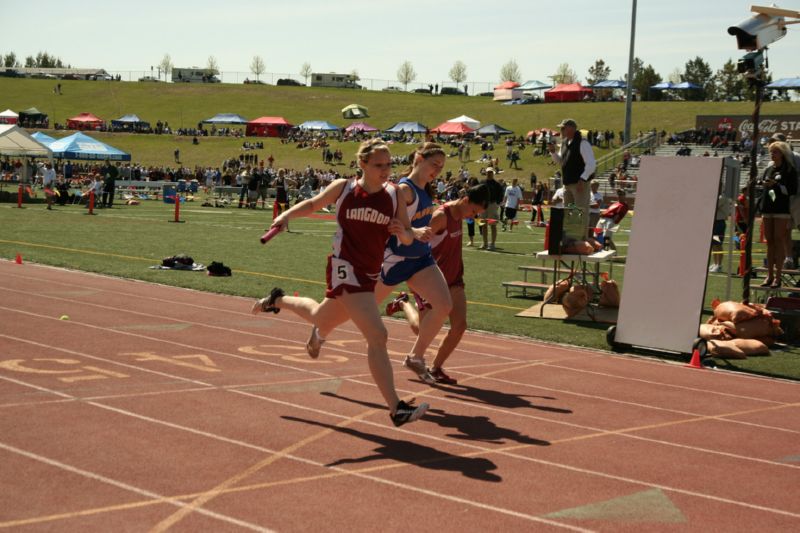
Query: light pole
[(629, 88)]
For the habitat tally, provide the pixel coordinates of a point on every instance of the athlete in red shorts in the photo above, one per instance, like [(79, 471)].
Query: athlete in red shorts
[(367, 214)]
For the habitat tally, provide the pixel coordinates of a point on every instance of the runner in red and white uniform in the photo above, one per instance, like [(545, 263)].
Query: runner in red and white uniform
[(446, 244), (367, 214)]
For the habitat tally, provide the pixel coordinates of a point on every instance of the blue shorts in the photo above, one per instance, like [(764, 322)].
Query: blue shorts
[(396, 269)]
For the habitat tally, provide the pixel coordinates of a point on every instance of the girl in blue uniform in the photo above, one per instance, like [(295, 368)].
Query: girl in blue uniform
[(414, 263)]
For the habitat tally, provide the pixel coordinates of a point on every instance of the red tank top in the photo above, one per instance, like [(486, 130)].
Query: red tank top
[(446, 249), (363, 230)]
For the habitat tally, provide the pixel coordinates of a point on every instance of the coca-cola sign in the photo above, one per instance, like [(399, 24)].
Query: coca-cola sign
[(768, 125)]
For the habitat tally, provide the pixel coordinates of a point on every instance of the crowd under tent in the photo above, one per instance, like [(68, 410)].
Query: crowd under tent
[(130, 123), (81, 146), (84, 121), (493, 129), (469, 121), (408, 127), (8, 117), (508, 90), (33, 118), (567, 92), (452, 128), (226, 118), (361, 127), (318, 125), (267, 127), (355, 111)]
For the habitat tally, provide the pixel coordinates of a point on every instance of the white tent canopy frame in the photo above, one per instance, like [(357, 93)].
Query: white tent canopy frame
[(468, 121), (16, 142)]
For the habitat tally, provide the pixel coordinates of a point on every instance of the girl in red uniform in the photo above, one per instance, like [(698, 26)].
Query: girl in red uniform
[(446, 226), (367, 214)]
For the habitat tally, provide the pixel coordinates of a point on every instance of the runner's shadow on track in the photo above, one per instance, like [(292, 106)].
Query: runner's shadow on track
[(496, 398), (412, 453), (475, 428), (479, 428)]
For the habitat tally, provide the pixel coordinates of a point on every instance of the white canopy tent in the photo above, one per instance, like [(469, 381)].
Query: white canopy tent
[(467, 121), (8, 117), (16, 142)]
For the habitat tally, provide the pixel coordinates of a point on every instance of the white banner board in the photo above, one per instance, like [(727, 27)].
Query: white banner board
[(667, 262)]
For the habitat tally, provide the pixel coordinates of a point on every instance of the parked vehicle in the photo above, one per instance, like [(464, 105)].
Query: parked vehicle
[(347, 81), (288, 82), (149, 78), (451, 90), (194, 75)]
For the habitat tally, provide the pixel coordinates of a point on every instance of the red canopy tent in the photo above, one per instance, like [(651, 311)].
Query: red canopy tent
[(84, 121), (452, 128), (267, 127), (572, 92), (507, 85)]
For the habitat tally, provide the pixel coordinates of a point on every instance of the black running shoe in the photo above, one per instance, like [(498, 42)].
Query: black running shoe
[(267, 305), (406, 412)]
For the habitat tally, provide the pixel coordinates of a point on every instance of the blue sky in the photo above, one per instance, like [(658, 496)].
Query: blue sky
[(374, 38)]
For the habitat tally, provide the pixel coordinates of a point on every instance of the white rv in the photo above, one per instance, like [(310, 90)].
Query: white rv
[(334, 80), (194, 75)]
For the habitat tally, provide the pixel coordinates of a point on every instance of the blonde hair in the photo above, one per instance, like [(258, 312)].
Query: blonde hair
[(786, 153), (427, 150), (366, 148)]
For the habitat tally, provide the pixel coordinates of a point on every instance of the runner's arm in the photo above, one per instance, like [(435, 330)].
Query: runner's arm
[(308, 207)]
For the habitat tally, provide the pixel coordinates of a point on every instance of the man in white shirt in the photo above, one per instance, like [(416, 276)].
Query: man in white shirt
[(578, 164), (49, 184), (595, 203), (511, 200)]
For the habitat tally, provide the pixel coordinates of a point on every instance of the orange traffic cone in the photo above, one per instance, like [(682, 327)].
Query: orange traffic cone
[(695, 362), (18, 259)]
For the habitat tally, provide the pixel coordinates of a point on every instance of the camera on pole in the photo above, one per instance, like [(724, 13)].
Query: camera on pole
[(758, 31)]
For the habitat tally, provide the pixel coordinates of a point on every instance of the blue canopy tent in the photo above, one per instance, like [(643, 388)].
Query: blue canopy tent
[(663, 86), (43, 138), (130, 123), (318, 125), (534, 85), (408, 127), (81, 146), (684, 86), (785, 83), (226, 118), (610, 84)]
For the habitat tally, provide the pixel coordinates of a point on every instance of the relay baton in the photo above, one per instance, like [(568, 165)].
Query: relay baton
[(270, 234)]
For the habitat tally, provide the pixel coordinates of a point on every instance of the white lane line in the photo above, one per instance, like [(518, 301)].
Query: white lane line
[(130, 488)]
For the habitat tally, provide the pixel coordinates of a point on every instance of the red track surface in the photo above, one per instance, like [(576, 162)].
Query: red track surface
[(156, 408)]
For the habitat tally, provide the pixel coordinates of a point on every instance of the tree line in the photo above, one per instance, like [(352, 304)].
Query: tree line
[(724, 84)]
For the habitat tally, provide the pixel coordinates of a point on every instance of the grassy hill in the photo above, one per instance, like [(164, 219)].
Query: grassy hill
[(187, 104)]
